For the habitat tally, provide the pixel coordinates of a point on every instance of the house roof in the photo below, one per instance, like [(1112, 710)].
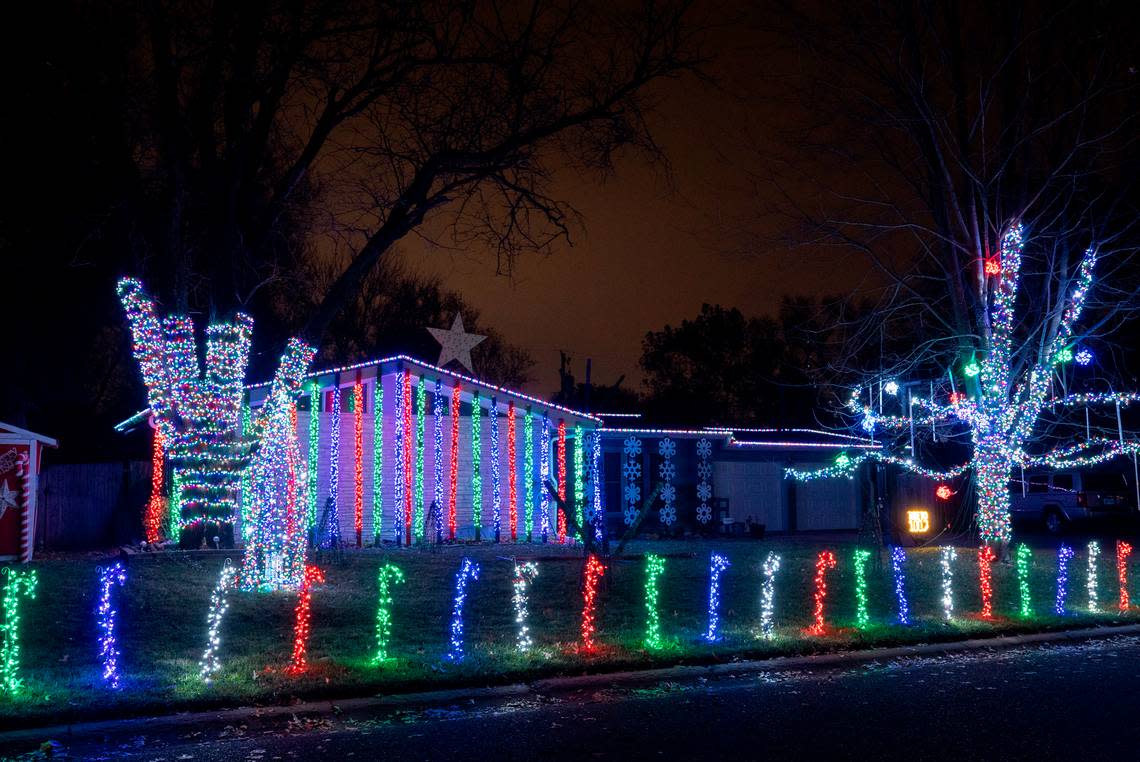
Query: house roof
[(757, 438)]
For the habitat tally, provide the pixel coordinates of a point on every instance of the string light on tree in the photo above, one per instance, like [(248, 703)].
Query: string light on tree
[(1091, 582), (654, 568), (17, 583), (947, 555), (302, 620), (468, 570), (1024, 554), (593, 572), (824, 562), (1084, 357), (209, 665), (107, 615), (1123, 550), (862, 617), (1064, 554), (389, 575), (768, 595), (717, 564), (986, 556), (898, 571), (524, 575)]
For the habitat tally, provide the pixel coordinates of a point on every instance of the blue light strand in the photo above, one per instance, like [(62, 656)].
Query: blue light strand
[(717, 564), (496, 485), (1064, 553), (543, 478), (467, 571), (437, 463), (898, 569), (599, 517), (115, 574)]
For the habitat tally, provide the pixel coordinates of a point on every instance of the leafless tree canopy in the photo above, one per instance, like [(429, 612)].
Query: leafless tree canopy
[(255, 125), (923, 129)]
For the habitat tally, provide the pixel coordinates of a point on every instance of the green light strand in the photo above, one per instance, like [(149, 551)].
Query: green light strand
[(314, 447), (654, 568), (528, 471), (421, 410), (18, 582), (476, 478), (1023, 556), (176, 505), (579, 483), (246, 478), (862, 617), (389, 575), (378, 460)]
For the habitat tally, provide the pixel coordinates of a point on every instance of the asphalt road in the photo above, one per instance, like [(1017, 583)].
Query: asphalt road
[(1063, 701)]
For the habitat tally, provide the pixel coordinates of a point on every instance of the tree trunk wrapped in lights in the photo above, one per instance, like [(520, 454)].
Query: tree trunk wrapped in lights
[(1009, 396)]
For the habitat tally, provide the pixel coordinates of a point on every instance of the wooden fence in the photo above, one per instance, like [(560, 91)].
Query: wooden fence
[(91, 505)]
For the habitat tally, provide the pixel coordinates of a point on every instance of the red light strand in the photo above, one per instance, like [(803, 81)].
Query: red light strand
[(1123, 550), (594, 571), (302, 619), (986, 557), (154, 507), (358, 463), (561, 480), (512, 474), (825, 560), (454, 473)]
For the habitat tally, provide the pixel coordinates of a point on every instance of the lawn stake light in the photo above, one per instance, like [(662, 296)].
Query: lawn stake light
[(1063, 556), (825, 560), (862, 617), (717, 564), (947, 556), (524, 575), (1091, 583), (302, 620), (389, 575), (594, 571), (768, 595), (654, 568), (115, 574), (16, 583), (1123, 550), (468, 570), (219, 605), (898, 570), (1024, 554), (986, 558)]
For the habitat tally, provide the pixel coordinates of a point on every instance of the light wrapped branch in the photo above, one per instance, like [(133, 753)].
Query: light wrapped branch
[(846, 466)]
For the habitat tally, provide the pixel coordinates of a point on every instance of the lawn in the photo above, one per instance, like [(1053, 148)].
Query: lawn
[(163, 608)]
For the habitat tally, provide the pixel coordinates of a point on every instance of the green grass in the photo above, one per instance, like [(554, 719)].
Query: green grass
[(163, 610)]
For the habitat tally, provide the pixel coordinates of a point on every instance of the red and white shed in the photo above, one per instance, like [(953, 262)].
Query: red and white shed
[(21, 455)]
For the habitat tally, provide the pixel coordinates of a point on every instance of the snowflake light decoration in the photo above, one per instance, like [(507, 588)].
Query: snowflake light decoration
[(666, 470), (704, 488)]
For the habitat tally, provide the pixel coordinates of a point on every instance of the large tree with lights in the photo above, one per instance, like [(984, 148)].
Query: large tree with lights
[(1008, 397)]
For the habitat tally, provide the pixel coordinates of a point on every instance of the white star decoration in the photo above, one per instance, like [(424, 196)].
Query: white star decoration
[(455, 344), (7, 498)]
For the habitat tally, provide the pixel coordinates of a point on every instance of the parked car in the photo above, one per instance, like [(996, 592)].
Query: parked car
[(1060, 498)]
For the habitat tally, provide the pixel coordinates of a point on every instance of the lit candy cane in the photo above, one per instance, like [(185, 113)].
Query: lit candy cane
[(898, 569), (1123, 550), (219, 605), (825, 560), (389, 575), (1091, 584), (986, 558), (302, 620), (524, 574), (1024, 554), (654, 568), (768, 595), (948, 555), (717, 564), (17, 582), (1063, 556), (106, 615), (468, 570), (862, 617), (594, 571)]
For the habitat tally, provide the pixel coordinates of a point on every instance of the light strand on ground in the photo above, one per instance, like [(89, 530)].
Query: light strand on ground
[(528, 475), (154, 506), (107, 615), (358, 461), (512, 475), (579, 482), (468, 570), (1024, 556), (561, 480), (768, 596), (654, 568), (302, 620), (209, 664), (947, 555), (496, 486), (17, 584), (898, 571), (986, 557), (378, 459), (717, 564), (388, 575), (524, 575), (314, 448), (544, 478), (593, 572), (409, 459), (824, 561), (862, 617), (437, 462), (1123, 550), (421, 421), (453, 479), (1064, 554), (476, 463), (1091, 582)]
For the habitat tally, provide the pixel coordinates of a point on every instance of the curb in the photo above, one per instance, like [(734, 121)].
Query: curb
[(554, 685)]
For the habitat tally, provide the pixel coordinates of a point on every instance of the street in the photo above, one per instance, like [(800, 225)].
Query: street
[(1060, 701)]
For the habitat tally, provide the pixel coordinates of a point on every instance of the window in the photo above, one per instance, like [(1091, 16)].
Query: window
[(1038, 483), (1104, 482), (1063, 482)]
